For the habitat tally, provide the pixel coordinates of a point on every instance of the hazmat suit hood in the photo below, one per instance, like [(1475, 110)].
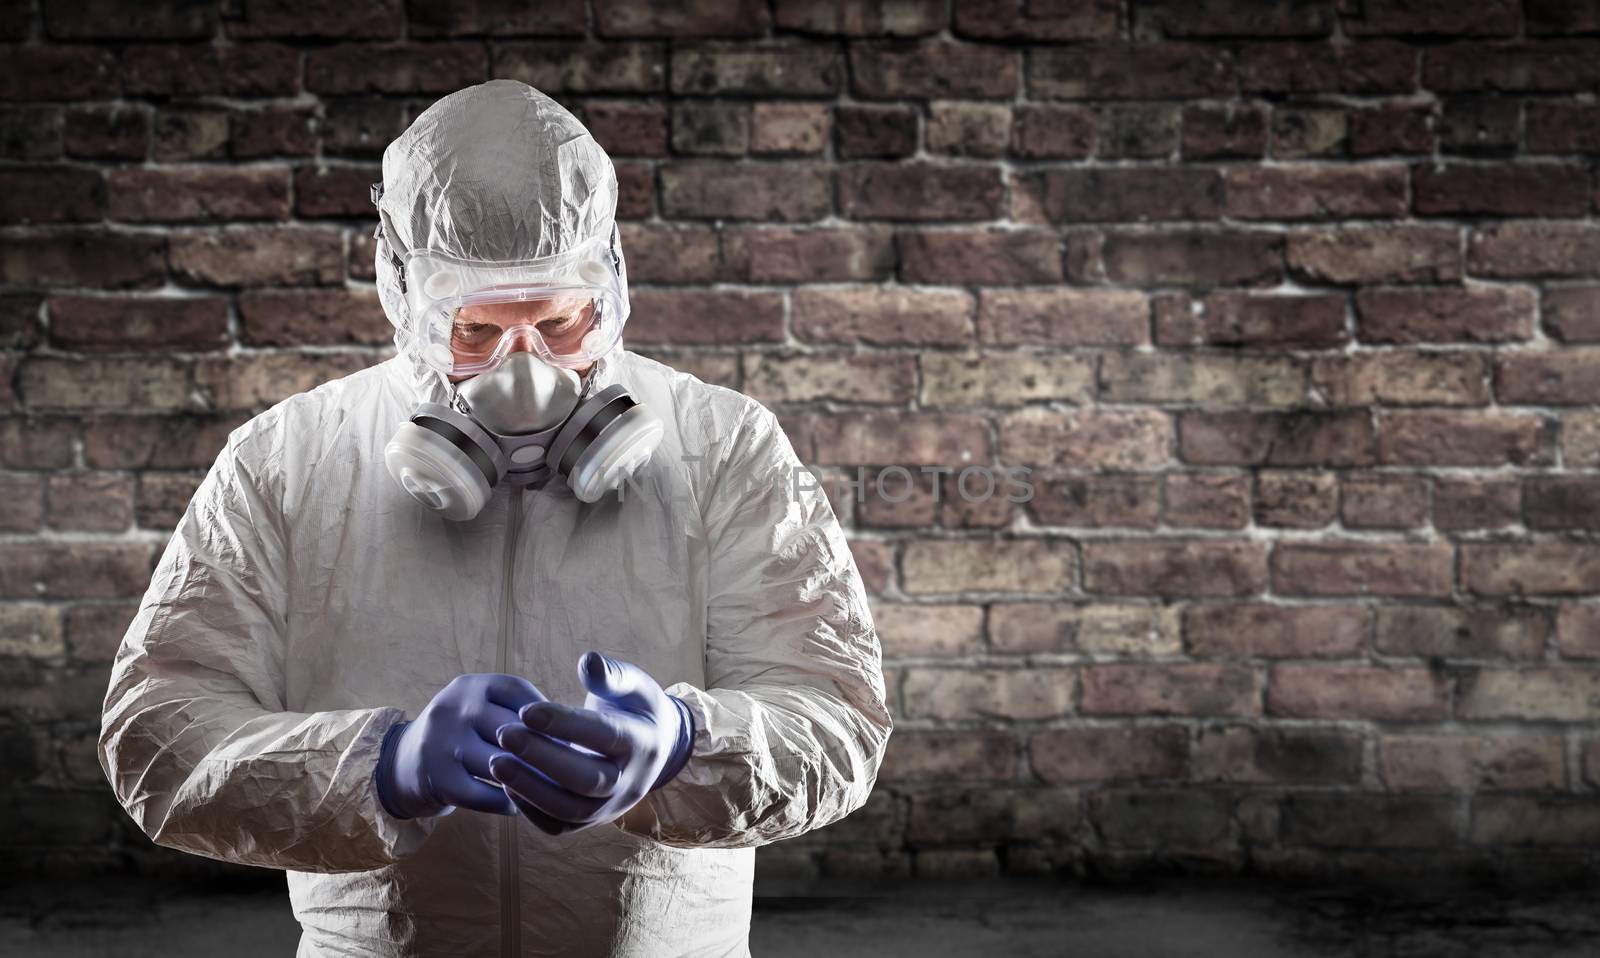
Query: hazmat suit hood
[(496, 171)]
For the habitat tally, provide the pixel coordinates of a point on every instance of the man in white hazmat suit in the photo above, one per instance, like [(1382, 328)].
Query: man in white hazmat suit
[(375, 565)]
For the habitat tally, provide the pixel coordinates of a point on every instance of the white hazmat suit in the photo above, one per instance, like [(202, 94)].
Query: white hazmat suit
[(306, 604)]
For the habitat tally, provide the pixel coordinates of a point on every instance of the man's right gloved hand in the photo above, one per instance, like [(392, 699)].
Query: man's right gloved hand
[(435, 762)]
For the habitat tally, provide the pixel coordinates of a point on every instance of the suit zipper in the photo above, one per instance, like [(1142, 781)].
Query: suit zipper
[(510, 877)]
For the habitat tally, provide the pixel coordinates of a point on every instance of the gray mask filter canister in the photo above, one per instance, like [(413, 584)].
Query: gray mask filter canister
[(522, 422)]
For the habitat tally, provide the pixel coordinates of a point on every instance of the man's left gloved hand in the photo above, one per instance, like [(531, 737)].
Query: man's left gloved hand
[(640, 736)]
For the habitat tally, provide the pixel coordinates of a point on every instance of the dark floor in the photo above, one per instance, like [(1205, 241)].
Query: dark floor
[(926, 920)]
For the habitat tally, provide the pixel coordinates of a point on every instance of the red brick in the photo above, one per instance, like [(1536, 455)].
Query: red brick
[(1343, 438), (1372, 66), (114, 132), (1048, 131), (875, 562), (861, 17), (156, 442), (766, 191), (1493, 18), (362, 127), (1383, 501), (74, 570), (321, 18), (1109, 439), (558, 68), (671, 254), (1138, 131), (1530, 820), (1207, 501), (258, 134), (1534, 250), (987, 565), (1485, 631), (1300, 192), (1561, 16), (776, 71), (312, 318), (100, 323), (255, 381), (628, 129), (705, 316), (95, 630), (185, 134), (162, 498), (1530, 568), (1471, 762), (1563, 128), (968, 129), (783, 255), (1063, 317), (1126, 194), (1302, 500), (1383, 131), (248, 69), (1299, 132), (928, 630), (1380, 254), (1572, 313), (1476, 503), (1097, 500), (1561, 502), (789, 128), (1362, 569), (334, 191), (883, 316), (772, 378), (863, 132), (695, 18), (1115, 628), (1480, 125), (1233, 131), (1464, 439), (1155, 19), (966, 816), (1252, 320), (1294, 756), (147, 382), (1522, 190), (1195, 257), (1165, 567), (1578, 631), (20, 318), (970, 693), (22, 502), (712, 128), (903, 439), (921, 191), (1177, 688), (934, 69), (1357, 820), (1109, 753), (1275, 631), (1022, 20), (987, 257), (1556, 378), (397, 68), (90, 502), (1534, 67), (258, 257), (51, 194), (1168, 71), (1566, 694), (1403, 377), (58, 73), (174, 194), (439, 18), (1357, 692), (1172, 820)]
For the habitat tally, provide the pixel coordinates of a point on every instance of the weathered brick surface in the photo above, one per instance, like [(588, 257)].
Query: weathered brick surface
[(1287, 315)]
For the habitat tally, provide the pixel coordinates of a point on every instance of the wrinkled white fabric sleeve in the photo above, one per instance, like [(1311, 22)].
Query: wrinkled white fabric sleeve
[(791, 729), (195, 737)]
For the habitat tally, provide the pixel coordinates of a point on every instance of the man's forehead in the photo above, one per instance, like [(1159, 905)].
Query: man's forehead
[(523, 311)]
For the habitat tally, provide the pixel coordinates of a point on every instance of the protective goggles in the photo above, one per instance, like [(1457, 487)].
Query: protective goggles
[(568, 309)]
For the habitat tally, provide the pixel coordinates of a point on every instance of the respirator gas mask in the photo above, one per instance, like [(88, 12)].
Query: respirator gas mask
[(518, 330)]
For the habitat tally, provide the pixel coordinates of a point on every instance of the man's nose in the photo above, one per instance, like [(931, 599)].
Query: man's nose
[(520, 339)]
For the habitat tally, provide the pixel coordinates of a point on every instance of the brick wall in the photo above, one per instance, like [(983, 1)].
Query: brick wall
[(1288, 306)]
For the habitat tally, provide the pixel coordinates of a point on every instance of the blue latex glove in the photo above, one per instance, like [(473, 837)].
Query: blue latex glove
[(434, 763), (639, 737)]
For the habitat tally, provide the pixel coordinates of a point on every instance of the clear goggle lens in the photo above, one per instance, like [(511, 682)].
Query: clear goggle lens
[(565, 328)]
